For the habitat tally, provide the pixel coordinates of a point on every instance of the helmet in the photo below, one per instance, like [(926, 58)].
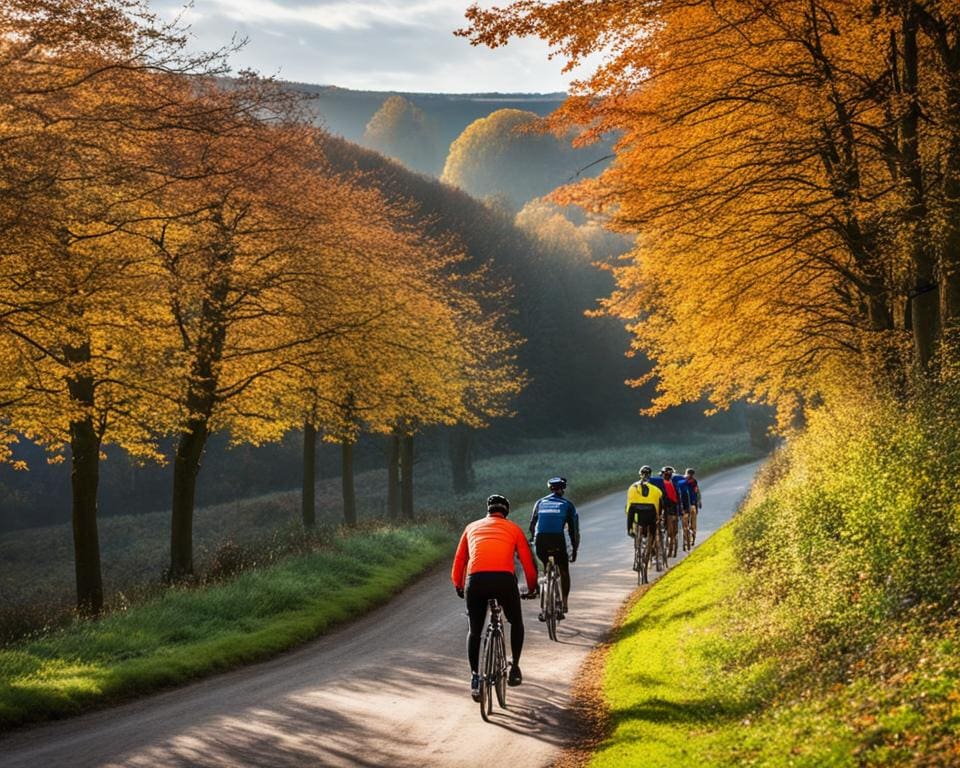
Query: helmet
[(671, 470), (498, 503), (689, 472), (557, 482), (645, 470)]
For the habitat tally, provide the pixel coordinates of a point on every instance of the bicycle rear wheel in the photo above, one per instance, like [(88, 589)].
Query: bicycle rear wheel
[(641, 546), (661, 548), (487, 673), (550, 604), (501, 662)]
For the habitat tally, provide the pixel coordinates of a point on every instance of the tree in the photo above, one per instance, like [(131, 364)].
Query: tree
[(401, 130), (247, 205), (83, 337), (504, 154)]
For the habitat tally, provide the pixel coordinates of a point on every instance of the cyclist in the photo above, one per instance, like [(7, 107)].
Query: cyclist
[(483, 568), (675, 501), (550, 515), (644, 505), (696, 500)]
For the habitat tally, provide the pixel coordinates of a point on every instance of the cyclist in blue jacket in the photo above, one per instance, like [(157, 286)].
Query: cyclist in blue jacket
[(676, 502), (551, 515), (687, 501)]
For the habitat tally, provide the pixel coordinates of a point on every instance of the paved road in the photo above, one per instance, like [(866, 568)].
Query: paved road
[(388, 690)]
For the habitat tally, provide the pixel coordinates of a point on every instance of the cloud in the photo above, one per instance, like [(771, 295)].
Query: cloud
[(404, 45), (333, 15)]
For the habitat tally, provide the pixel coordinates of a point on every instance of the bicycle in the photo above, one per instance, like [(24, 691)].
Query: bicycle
[(660, 552), (551, 597), (493, 672), (643, 545)]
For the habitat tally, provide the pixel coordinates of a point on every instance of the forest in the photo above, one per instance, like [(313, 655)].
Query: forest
[(197, 273)]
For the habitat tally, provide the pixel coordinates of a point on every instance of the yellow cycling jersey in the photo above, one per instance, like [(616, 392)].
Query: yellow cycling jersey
[(644, 493)]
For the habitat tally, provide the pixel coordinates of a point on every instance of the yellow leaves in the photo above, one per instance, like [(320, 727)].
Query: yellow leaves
[(191, 255)]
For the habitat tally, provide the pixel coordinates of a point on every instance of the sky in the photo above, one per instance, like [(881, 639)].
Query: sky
[(381, 45)]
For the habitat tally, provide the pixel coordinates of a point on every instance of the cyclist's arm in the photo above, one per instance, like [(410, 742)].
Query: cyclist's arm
[(526, 560), (533, 519), (573, 525), (459, 571)]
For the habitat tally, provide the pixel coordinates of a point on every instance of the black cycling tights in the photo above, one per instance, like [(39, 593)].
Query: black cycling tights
[(553, 544), (480, 588)]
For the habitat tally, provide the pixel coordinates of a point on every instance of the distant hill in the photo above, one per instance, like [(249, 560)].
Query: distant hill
[(346, 113)]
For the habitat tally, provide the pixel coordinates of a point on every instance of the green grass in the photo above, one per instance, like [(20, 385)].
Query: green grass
[(187, 633), (689, 682)]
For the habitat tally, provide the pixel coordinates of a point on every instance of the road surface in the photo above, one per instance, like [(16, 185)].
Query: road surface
[(391, 689)]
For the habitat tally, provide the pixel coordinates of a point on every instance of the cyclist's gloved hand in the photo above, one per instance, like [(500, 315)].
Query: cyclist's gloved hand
[(460, 592), (573, 556)]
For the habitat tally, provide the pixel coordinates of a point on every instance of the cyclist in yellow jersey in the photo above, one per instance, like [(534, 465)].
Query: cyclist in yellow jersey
[(644, 506)]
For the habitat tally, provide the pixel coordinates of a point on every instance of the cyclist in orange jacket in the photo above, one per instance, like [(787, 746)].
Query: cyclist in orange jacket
[(482, 569)]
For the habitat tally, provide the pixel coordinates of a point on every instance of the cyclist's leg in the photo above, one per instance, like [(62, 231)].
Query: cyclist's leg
[(508, 595), (564, 565), (649, 531), (554, 544), (672, 534), (476, 594), (686, 529)]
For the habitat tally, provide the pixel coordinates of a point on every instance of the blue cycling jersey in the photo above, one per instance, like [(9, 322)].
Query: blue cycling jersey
[(551, 514)]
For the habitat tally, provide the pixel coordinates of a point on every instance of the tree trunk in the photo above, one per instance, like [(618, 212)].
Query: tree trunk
[(308, 496), (84, 480), (207, 353), (950, 263), (349, 492), (393, 478), (461, 459), (406, 477), (186, 467), (924, 309)]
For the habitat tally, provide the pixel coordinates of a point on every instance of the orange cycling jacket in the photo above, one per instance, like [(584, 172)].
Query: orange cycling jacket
[(489, 545)]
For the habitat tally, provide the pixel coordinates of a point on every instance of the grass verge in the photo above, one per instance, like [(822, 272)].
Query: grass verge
[(188, 633), (686, 685)]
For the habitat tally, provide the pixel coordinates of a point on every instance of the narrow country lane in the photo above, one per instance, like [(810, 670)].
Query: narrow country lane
[(388, 690)]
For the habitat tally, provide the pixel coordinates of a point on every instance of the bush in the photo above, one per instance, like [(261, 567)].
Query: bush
[(854, 521)]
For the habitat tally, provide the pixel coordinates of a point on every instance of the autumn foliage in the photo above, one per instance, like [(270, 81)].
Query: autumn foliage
[(177, 258), (791, 171)]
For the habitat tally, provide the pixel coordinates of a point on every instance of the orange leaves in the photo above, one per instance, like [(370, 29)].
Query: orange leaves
[(763, 161)]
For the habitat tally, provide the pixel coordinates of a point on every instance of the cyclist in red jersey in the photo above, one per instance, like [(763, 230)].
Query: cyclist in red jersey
[(483, 568)]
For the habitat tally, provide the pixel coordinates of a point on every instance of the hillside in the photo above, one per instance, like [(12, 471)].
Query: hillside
[(346, 113)]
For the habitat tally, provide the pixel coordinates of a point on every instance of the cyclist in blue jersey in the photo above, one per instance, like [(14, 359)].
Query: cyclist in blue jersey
[(676, 503), (551, 515)]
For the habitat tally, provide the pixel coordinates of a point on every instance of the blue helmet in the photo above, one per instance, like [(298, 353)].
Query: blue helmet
[(557, 483)]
